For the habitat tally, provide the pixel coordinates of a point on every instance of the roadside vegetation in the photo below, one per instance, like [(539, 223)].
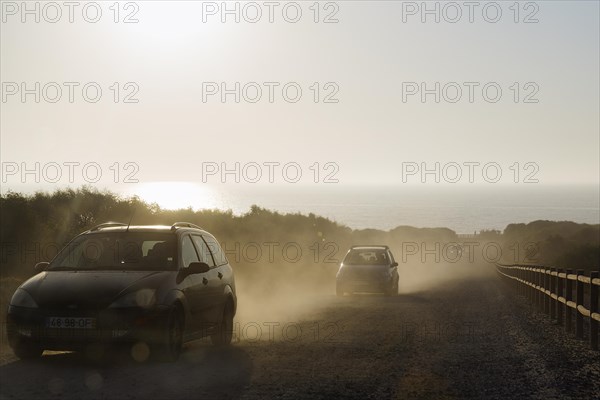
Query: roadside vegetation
[(34, 227)]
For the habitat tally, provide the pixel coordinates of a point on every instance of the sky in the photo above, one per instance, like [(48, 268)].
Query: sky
[(361, 116)]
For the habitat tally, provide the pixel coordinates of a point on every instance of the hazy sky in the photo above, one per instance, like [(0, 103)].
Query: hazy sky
[(370, 58)]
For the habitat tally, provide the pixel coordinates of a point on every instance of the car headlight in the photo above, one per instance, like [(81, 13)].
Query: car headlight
[(144, 298), (23, 299)]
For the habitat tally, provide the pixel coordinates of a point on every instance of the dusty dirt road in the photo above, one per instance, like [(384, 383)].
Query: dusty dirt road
[(463, 338)]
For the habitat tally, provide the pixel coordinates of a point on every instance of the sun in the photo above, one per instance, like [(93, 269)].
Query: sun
[(176, 195)]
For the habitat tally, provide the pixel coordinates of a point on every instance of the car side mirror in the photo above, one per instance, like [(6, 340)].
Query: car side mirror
[(41, 266), (197, 268), (395, 264)]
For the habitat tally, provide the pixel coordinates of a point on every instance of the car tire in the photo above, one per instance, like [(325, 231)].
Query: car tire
[(27, 351), (224, 332), (392, 290), (169, 349)]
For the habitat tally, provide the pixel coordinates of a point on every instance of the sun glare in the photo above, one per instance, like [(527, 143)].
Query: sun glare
[(176, 195)]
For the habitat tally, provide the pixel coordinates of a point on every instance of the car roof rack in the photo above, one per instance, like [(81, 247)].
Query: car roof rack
[(184, 224), (106, 225), (370, 245)]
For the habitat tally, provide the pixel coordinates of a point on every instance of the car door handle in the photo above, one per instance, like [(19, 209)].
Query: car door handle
[(220, 275), (204, 281)]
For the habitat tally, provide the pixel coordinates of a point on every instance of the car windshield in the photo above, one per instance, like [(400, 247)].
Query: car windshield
[(366, 256), (118, 251)]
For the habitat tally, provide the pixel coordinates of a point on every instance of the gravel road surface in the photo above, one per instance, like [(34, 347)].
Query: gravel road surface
[(468, 337)]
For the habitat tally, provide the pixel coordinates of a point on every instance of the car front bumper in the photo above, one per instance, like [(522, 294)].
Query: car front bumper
[(362, 285), (111, 326)]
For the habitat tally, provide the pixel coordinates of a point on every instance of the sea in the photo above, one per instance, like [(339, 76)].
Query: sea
[(465, 209)]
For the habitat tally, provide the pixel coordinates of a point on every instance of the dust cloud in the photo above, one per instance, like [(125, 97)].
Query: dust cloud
[(279, 292)]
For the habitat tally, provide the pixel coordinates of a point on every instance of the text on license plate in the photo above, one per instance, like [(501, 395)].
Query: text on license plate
[(70, 322)]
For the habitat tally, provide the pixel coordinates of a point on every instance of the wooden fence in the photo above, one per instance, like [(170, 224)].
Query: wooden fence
[(551, 290)]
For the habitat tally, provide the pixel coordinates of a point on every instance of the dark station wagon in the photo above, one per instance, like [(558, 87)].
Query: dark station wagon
[(160, 286)]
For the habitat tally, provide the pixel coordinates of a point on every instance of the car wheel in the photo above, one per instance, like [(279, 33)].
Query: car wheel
[(224, 331), (392, 290), (170, 347), (27, 351)]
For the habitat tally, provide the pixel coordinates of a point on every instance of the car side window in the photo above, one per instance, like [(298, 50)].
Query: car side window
[(215, 249), (203, 250), (188, 252), (391, 256)]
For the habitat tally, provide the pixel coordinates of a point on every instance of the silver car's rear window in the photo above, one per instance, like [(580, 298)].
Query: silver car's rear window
[(366, 257)]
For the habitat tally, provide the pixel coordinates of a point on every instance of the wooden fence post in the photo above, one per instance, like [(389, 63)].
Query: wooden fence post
[(578, 316), (546, 287), (521, 284), (593, 309), (530, 280), (568, 297), (540, 284), (552, 288), (535, 294), (533, 290), (559, 293)]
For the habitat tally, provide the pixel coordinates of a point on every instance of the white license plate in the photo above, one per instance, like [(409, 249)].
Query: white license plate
[(70, 323)]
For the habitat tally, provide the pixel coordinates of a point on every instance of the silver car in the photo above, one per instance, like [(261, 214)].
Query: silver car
[(370, 269)]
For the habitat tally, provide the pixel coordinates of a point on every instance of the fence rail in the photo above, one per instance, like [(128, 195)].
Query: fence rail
[(551, 290)]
